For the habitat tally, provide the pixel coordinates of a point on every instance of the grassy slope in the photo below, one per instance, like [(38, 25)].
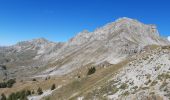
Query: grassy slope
[(85, 84)]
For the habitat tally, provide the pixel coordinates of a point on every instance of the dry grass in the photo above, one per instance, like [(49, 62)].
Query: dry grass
[(85, 84), (34, 85), (72, 85)]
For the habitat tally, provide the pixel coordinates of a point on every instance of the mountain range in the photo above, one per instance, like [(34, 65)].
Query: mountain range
[(129, 58)]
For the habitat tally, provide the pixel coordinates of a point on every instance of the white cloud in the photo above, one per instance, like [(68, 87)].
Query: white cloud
[(169, 38)]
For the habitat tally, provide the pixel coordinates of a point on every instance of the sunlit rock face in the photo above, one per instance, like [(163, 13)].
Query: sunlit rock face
[(112, 43)]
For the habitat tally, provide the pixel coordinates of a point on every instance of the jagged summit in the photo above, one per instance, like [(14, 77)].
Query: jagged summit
[(33, 41), (122, 29), (40, 40)]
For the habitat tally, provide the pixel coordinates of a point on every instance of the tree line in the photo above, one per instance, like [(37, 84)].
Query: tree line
[(8, 84), (22, 95)]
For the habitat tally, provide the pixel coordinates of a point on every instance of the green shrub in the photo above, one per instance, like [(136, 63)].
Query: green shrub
[(12, 96), (8, 84), (135, 87), (20, 95), (28, 92), (154, 83), (164, 84), (3, 85), (114, 90), (3, 67), (91, 70), (149, 81), (34, 79), (126, 93), (23, 95), (33, 92), (47, 98), (163, 76), (124, 86)]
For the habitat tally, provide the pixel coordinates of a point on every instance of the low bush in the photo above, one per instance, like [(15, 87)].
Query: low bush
[(39, 91), (53, 87), (91, 70), (3, 97), (124, 86), (8, 84), (34, 79)]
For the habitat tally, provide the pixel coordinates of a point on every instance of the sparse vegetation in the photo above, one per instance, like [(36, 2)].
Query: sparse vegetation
[(135, 87), (144, 88), (148, 76), (164, 84), (47, 98), (149, 81), (114, 90), (123, 86), (152, 93), (163, 76), (125, 93), (154, 83)]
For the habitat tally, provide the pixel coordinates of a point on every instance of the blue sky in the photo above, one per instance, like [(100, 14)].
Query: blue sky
[(59, 20)]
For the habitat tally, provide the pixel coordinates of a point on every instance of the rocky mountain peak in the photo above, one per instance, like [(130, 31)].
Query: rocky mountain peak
[(40, 41), (122, 29), (124, 19), (35, 42)]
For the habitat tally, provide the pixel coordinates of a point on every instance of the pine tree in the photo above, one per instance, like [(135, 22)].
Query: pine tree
[(53, 87), (33, 92), (28, 92), (3, 97), (34, 79), (12, 96), (39, 91)]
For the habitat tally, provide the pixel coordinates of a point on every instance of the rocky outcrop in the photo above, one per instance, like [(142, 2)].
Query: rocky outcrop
[(146, 77)]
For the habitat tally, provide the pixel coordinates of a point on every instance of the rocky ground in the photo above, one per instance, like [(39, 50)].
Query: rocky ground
[(146, 77)]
